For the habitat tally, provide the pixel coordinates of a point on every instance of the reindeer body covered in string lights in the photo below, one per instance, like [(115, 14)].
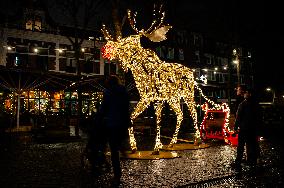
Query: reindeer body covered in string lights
[(157, 81)]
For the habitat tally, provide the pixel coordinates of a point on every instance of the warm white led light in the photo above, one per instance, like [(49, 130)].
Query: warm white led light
[(158, 82)]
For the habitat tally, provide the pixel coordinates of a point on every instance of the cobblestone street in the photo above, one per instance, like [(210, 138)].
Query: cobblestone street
[(30, 164)]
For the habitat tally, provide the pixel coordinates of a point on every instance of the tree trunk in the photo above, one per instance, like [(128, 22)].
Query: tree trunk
[(116, 19), (118, 33)]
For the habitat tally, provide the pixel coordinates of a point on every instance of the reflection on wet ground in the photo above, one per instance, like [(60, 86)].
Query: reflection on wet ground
[(58, 165)]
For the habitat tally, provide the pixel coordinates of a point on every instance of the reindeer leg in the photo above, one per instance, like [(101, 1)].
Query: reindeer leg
[(158, 112), (140, 107), (175, 105), (193, 113)]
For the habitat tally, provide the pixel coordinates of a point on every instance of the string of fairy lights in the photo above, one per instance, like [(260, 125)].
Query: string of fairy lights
[(40, 101), (157, 81)]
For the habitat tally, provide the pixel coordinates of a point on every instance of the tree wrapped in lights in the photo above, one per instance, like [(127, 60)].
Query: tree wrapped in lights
[(157, 81)]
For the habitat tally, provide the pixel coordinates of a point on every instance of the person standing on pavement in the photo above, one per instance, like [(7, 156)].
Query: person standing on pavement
[(115, 114), (239, 97), (247, 120)]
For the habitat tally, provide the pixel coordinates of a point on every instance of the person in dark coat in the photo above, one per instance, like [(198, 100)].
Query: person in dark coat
[(116, 119), (96, 145), (239, 97), (247, 120)]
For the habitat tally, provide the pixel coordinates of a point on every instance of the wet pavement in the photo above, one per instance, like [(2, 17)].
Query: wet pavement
[(26, 163)]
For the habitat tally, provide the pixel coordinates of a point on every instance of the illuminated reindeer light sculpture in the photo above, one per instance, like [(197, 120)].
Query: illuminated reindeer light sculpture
[(157, 81)]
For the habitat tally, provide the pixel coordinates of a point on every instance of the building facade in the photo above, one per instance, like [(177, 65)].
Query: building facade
[(219, 66), (39, 71)]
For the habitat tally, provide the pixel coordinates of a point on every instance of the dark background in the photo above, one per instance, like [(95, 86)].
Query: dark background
[(250, 23)]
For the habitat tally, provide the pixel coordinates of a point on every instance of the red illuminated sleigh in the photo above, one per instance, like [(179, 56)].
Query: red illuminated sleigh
[(217, 124)]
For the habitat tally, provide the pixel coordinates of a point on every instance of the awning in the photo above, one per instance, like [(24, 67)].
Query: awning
[(12, 79)]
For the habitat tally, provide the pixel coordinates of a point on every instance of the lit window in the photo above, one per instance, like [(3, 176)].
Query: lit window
[(29, 25), (249, 55), (37, 24)]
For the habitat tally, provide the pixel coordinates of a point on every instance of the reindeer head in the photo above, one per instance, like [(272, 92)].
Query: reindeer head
[(121, 50), (124, 48)]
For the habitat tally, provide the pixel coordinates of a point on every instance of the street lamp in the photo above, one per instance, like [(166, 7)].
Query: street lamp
[(236, 61), (273, 93)]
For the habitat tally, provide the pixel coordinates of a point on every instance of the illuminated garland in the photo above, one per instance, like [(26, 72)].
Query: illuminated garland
[(10, 103), (157, 81), (96, 98), (41, 95), (220, 107)]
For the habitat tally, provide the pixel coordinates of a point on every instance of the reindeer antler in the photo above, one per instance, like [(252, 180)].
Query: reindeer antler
[(159, 34), (157, 31), (161, 16), (132, 20), (106, 33)]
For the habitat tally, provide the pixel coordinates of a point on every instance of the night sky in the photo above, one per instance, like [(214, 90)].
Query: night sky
[(251, 23)]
